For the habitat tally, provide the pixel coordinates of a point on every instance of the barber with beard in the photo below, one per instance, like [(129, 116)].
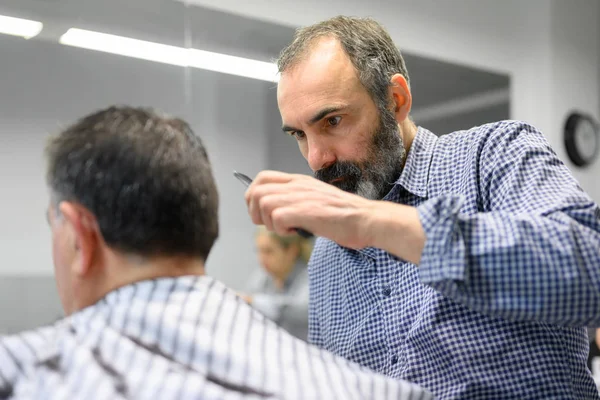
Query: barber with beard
[(467, 263)]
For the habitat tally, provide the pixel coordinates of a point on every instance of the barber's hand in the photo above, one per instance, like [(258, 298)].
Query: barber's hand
[(283, 202)]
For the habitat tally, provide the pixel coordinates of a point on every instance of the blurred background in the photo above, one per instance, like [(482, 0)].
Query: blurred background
[(470, 62)]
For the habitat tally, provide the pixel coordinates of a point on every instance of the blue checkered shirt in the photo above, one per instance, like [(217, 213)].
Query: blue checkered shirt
[(509, 276)]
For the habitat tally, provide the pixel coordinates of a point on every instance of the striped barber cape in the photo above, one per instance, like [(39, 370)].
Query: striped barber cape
[(179, 338)]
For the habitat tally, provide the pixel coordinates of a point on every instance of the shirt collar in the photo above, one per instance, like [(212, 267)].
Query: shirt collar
[(415, 175)]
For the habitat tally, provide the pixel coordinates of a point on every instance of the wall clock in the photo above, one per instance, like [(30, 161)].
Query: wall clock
[(582, 138)]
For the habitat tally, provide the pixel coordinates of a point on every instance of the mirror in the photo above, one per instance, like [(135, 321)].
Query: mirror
[(51, 79)]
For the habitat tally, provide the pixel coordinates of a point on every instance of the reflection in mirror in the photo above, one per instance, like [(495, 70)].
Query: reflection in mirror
[(449, 97)]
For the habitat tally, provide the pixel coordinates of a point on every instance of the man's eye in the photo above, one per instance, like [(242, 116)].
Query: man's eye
[(298, 134), (333, 121)]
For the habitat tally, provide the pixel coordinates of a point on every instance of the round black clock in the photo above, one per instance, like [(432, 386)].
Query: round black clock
[(582, 138)]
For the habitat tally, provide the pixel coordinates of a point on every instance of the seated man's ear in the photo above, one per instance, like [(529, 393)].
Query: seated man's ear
[(84, 235)]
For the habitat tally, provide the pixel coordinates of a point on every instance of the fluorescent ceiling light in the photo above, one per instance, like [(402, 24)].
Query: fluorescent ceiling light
[(125, 46), (20, 27), (170, 54), (233, 65)]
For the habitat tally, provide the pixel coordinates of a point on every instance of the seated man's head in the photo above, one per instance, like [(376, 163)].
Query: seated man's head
[(132, 197)]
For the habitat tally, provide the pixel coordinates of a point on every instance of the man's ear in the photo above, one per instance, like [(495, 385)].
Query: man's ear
[(84, 231), (401, 97)]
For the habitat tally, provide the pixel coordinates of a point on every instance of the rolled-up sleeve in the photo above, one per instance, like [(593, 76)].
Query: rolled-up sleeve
[(533, 254)]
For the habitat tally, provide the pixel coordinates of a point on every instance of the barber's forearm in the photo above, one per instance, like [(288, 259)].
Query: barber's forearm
[(396, 228)]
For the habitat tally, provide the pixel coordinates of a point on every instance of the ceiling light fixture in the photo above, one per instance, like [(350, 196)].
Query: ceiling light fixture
[(172, 55), (24, 28)]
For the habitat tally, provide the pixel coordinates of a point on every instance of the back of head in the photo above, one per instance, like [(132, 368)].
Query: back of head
[(366, 43), (145, 177)]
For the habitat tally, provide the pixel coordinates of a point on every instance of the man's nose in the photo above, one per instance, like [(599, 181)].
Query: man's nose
[(319, 156)]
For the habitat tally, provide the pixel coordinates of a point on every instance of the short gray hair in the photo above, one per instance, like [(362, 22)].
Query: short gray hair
[(366, 42)]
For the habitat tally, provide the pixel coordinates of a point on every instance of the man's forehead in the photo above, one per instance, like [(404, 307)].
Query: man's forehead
[(325, 76), (325, 65)]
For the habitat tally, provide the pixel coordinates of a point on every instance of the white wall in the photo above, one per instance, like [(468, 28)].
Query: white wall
[(526, 39), (45, 86), (575, 64)]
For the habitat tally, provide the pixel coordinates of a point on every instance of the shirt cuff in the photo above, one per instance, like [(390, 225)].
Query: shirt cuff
[(444, 254)]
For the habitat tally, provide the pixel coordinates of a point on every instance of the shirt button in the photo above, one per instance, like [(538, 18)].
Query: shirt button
[(386, 291), (394, 359)]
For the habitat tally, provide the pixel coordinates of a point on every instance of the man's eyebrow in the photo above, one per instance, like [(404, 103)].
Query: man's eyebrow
[(317, 117), (327, 110), (287, 128)]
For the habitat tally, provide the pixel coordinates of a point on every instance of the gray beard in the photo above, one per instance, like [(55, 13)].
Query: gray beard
[(385, 160)]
